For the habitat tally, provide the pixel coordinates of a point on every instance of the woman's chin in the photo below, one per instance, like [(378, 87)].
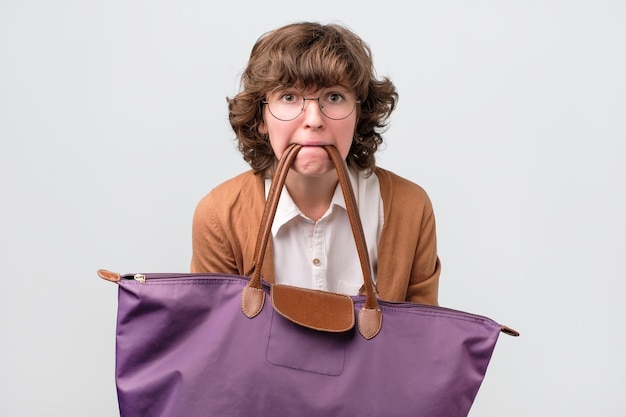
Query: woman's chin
[(313, 165)]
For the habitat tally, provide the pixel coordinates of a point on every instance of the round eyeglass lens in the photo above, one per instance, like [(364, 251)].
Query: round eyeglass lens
[(288, 104)]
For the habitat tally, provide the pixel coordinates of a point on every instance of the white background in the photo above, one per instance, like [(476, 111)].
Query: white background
[(511, 115)]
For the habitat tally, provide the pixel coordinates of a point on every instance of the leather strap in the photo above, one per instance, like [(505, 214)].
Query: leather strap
[(336, 310)]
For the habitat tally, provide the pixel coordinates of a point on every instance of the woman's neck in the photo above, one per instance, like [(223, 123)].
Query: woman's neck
[(312, 195)]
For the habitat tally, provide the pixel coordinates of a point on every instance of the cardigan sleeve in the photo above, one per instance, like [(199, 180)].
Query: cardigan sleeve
[(408, 264), (423, 285), (211, 251), (225, 228)]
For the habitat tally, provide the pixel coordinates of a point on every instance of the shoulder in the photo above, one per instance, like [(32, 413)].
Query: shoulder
[(401, 190), (241, 184), (239, 190)]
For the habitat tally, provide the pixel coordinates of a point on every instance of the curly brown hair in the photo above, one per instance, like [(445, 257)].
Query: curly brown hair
[(309, 54)]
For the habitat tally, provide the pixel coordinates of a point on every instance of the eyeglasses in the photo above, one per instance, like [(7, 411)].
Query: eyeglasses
[(286, 105)]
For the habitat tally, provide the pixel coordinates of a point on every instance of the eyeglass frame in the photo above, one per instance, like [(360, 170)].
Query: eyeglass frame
[(304, 99)]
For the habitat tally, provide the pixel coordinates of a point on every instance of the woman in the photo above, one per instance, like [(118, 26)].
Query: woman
[(315, 85)]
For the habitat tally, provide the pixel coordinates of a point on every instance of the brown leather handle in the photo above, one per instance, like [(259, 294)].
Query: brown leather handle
[(357, 227), (370, 318), (278, 181)]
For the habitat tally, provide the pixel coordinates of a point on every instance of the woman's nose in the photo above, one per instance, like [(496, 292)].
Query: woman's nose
[(313, 112)]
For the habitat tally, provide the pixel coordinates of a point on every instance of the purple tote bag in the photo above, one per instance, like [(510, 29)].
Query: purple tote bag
[(191, 345)]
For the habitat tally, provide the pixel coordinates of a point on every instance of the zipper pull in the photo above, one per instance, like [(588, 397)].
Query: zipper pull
[(139, 278)]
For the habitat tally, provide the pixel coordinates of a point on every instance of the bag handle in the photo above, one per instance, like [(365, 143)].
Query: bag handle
[(320, 310)]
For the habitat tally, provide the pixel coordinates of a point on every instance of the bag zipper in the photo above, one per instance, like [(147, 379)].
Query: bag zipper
[(143, 277)]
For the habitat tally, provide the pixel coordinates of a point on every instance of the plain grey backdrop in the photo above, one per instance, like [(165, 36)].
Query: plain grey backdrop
[(511, 115)]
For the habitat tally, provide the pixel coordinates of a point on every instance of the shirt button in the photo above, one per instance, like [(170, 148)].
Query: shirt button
[(317, 262)]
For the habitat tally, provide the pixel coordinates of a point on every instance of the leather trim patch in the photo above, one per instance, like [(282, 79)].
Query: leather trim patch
[(315, 309)]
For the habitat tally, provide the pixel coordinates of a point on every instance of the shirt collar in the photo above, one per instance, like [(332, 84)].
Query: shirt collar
[(287, 209)]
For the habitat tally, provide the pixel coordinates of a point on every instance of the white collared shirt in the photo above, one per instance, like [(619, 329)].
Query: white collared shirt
[(322, 255)]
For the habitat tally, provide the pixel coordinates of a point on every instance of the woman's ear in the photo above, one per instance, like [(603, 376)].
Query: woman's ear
[(262, 128)]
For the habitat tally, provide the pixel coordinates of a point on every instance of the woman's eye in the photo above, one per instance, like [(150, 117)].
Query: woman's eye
[(288, 98), (334, 98)]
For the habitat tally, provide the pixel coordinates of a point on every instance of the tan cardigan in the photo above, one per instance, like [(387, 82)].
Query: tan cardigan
[(226, 223)]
